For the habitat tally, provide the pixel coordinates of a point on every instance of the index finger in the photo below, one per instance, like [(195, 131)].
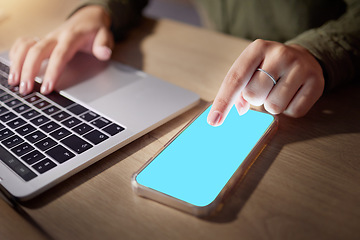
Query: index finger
[(63, 52), (235, 81)]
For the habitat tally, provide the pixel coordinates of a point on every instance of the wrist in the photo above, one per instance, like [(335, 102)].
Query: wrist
[(94, 10), (304, 51), (319, 65)]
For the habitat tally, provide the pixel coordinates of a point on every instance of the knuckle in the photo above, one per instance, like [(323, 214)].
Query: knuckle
[(21, 45), (59, 53), (273, 107), (22, 40), (249, 94), (70, 35), (252, 97), (284, 53), (260, 43), (35, 50), (222, 102)]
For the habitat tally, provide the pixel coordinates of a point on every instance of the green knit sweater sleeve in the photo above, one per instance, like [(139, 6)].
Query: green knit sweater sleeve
[(336, 45), (124, 14)]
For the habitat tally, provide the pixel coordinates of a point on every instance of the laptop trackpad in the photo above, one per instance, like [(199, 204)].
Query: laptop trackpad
[(127, 95), (88, 78)]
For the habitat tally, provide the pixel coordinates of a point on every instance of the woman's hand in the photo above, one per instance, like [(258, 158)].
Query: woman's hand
[(299, 76), (87, 30)]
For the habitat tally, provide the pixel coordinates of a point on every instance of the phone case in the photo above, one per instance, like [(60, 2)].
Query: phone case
[(216, 204)]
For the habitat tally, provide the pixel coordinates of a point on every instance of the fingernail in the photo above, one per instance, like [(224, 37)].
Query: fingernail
[(104, 53), (44, 89), (214, 118), (23, 88), (11, 78)]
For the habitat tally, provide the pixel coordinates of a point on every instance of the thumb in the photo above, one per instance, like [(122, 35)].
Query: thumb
[(242, 105), (103, 44)]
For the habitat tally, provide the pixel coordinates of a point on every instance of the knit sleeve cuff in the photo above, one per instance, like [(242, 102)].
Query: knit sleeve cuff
[(330, 53), (124, 14)]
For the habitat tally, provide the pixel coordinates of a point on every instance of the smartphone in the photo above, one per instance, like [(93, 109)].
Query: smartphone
[(196, 169)]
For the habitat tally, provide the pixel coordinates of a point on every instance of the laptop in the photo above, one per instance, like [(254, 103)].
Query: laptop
[(97, 108)]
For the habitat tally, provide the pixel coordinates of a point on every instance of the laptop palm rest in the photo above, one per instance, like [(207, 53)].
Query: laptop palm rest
[(127, 95)]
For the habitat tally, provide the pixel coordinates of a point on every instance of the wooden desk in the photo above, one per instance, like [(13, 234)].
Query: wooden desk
[(305, 185)]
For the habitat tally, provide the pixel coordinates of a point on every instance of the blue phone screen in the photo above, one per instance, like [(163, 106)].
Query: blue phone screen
[(201, 160)]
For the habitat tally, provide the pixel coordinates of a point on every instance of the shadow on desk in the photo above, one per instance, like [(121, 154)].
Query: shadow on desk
[(129, 50)]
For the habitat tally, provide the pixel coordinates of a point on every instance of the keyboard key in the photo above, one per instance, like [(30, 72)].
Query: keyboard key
[(35, 136), (18, 122), (50, 126), (7, 116), (82, 128), (5, 133), (42, 104), (77, 109), (18, 167), (22, 149), (76, 144), (26, 129), (113, 129), (32, 99), (100, 122), (12, 141), (40, 120), (60, 133), (3, 80), (96, 137), (61, 116), (51, 110), (24, 172), (44, 166), (30, 114), (22, 108), (60, 154), (89, 116), (14, 89), (71, 122), (13, 103), (33, 157), (4, 68), (3, 110), (45, 144), (59, 99), (6, 97)]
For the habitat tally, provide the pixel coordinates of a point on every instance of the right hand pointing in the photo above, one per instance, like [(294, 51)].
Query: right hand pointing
[(300, 81), (88, 30)]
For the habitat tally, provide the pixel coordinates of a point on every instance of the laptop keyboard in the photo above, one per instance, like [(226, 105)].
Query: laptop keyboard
[(38, 133)]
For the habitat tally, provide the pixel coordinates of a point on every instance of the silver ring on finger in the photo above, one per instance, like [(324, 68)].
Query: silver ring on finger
[(268, 74)]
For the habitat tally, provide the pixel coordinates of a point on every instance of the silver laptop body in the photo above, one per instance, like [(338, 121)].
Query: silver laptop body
[(126, 103)]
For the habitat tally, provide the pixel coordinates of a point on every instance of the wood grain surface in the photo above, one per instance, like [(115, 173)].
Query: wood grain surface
[(305, 184)]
